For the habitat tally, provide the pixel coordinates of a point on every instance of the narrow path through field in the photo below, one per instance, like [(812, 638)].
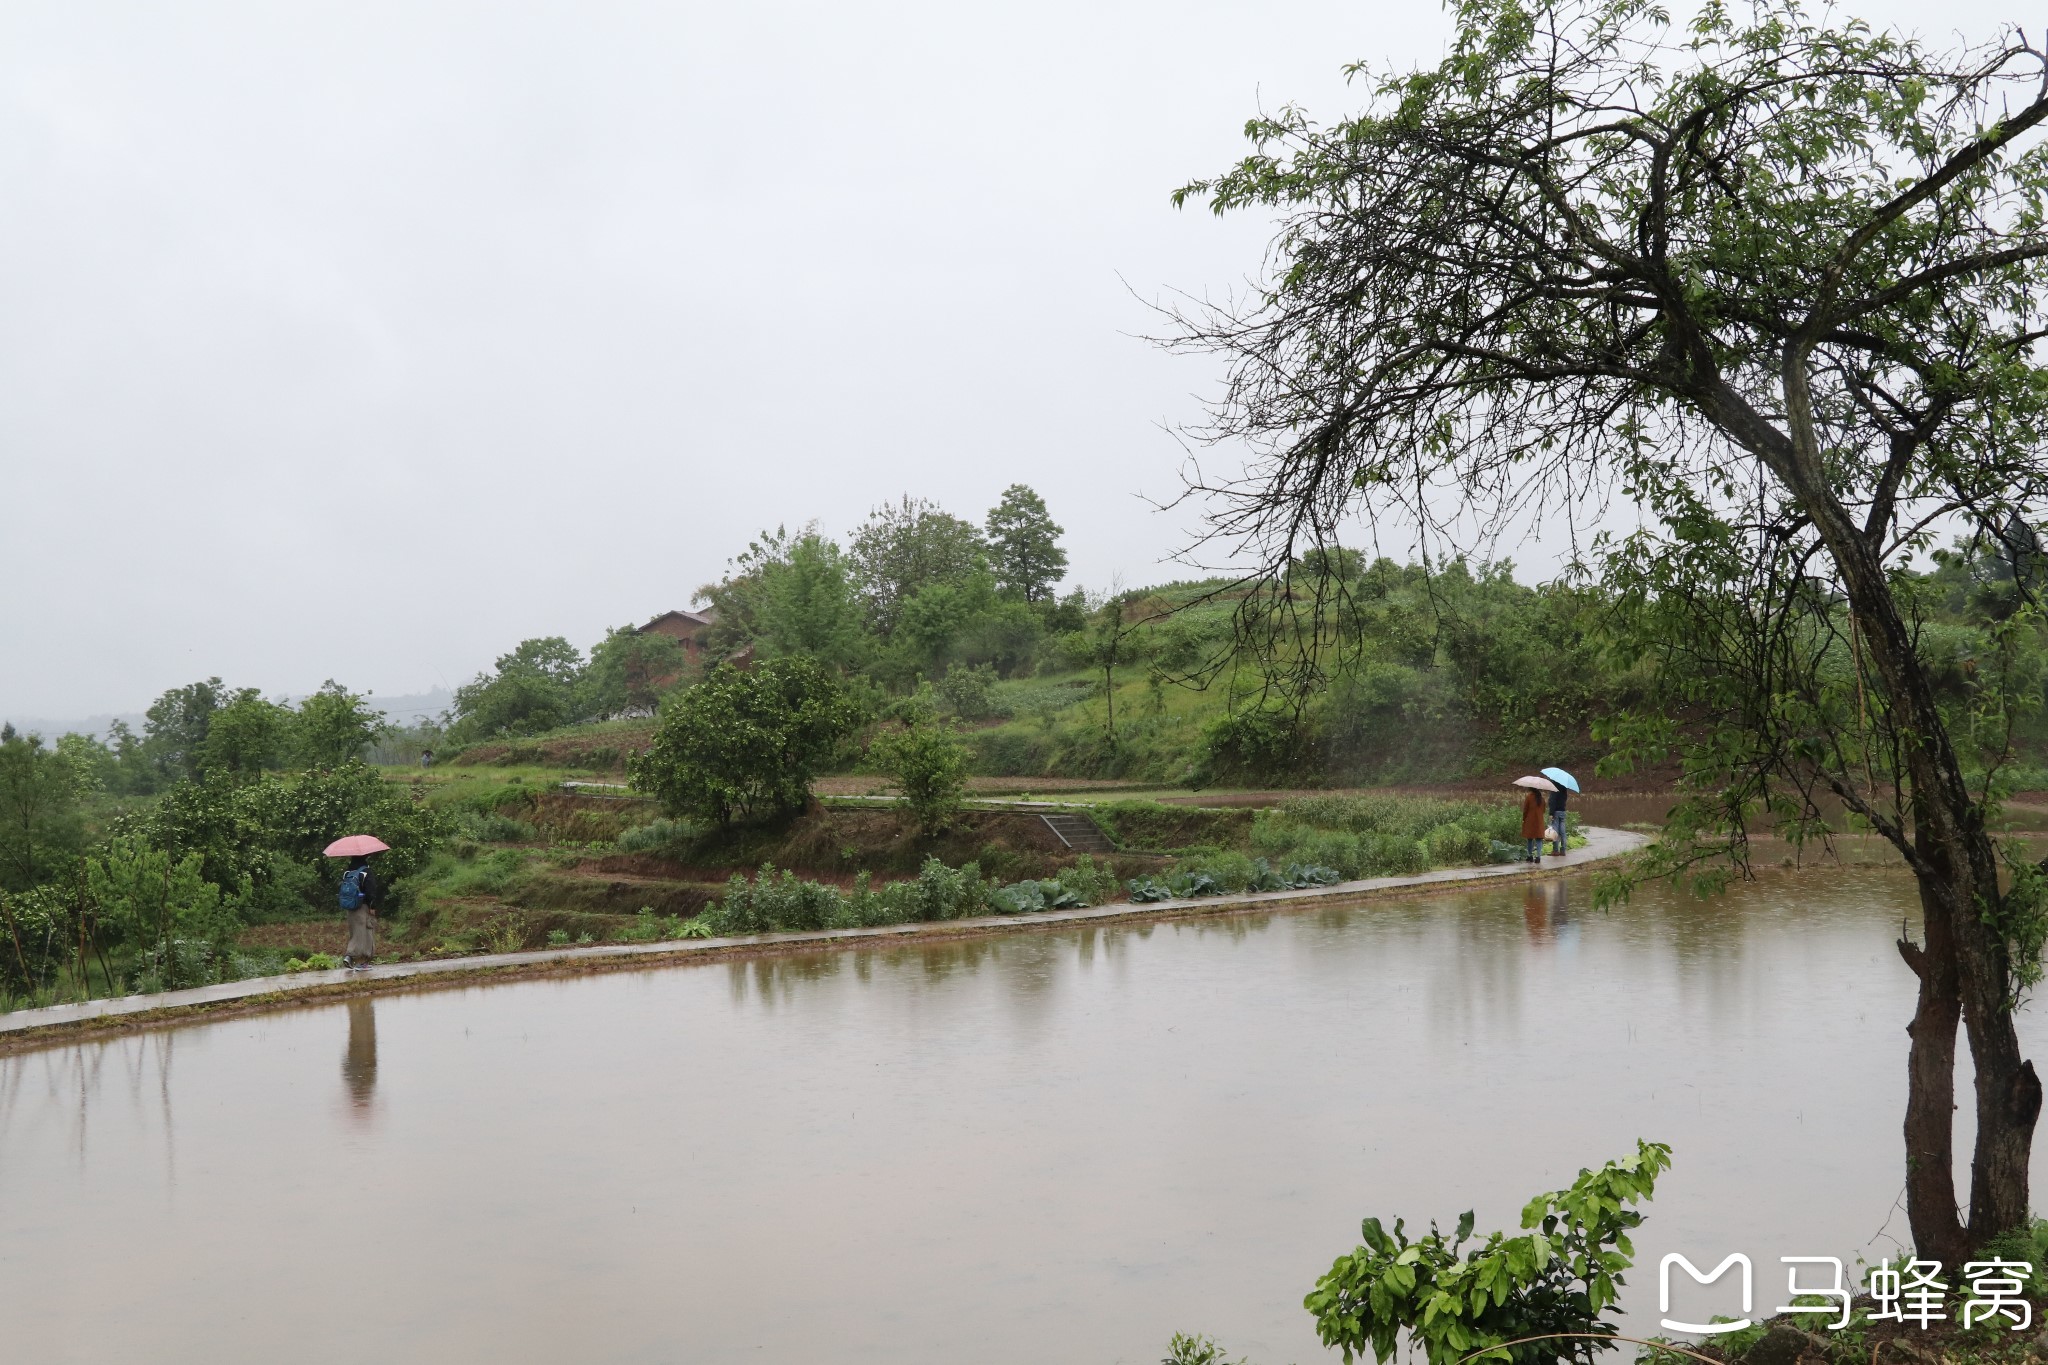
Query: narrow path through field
[(1601, 844)]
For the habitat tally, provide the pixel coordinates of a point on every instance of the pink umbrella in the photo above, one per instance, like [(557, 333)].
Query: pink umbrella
[(357, 845), (1541, 784)]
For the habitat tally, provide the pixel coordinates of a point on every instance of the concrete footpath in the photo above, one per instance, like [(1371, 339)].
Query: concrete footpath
[(1601, 844)]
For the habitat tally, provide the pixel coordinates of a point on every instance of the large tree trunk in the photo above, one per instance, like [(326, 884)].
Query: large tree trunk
[(1963, 965)]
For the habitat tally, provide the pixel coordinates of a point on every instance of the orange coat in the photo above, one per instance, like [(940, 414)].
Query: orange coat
[(1532, 814)]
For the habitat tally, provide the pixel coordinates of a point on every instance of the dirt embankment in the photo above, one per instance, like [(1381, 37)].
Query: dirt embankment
[(603, 751)]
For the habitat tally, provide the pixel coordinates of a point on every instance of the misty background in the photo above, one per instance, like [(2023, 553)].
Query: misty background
[(363, 341)]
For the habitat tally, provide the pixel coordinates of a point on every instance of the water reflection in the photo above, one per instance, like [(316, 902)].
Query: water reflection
[(1061, 1145), (1546, 909), (359, 1059)]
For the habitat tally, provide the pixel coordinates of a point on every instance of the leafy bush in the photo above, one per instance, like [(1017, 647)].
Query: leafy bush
[(490, 828), (313, 962), (1455, 846), (1196, 1350), (272, 830), (1556, 1278), (930, 768), (1088, 881), (175, 964), (773, 901), (745, 745), (40, 928), (663, 836), (1194, 878), (970, 691), (648, 928), (157, 902), (1028, 897), (776, 901)]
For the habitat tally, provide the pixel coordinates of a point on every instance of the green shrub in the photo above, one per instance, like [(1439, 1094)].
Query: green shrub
[(648, 928), (1455, 846), (930, 769), (1394, 855), (1229, 870), (1196, 1350), (38, 934), (776, 901), (1195, 879), (313, 962), (970, 692), (746, 745), (490, 828), (1558, 1277), (662, 835), (1088, 882), (1027, 897)]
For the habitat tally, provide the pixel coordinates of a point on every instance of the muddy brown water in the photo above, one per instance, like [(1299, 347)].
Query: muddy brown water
[(1061, 1146)]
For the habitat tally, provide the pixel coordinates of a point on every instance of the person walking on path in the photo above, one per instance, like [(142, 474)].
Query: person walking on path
[(1557, 800), (1532, 825), (359, 894)]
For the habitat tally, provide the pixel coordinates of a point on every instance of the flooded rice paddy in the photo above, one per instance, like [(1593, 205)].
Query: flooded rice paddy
[(1061, 1146)]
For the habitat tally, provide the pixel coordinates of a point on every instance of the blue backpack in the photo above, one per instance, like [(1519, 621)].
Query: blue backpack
[(352, 887)]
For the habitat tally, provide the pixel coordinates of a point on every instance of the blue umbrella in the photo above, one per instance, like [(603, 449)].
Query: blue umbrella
[(1562, 778)]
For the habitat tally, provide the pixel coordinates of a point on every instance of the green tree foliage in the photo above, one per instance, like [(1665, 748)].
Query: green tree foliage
[(94, 767), (41, 827), (176, 724), (745, 745), (534, 688), (244, 735), (807, 604), (38, 935), (788, 595), (269, 832), (148, 896), (1554, 1280), (929, 766), (629, 670), (1111, 641), (1024, 546), (333, 727), (1785, 284), (908, 548)]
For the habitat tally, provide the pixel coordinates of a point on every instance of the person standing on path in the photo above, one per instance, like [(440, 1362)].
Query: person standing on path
[(1557, 800), (359, 891), (1532, 825)]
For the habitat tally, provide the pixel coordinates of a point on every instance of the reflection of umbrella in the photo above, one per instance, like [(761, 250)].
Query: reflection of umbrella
[(1542, 784), (1562, 778), (356, 846)]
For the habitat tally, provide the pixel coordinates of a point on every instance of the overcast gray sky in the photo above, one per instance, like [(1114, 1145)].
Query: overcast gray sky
[(363, 341)]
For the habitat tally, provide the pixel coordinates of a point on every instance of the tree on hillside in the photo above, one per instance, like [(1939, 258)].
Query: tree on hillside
[(1782, 284), (790, 594), (1024, 546), (807, 604), (41, 829), (745, 745), (245, 735), (629, 670), (929, 765), (175, 726), (534, 688), (333, 727), (906, 547)]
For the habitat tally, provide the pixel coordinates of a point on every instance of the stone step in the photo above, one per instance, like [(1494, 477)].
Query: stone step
[(1079, 833)]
